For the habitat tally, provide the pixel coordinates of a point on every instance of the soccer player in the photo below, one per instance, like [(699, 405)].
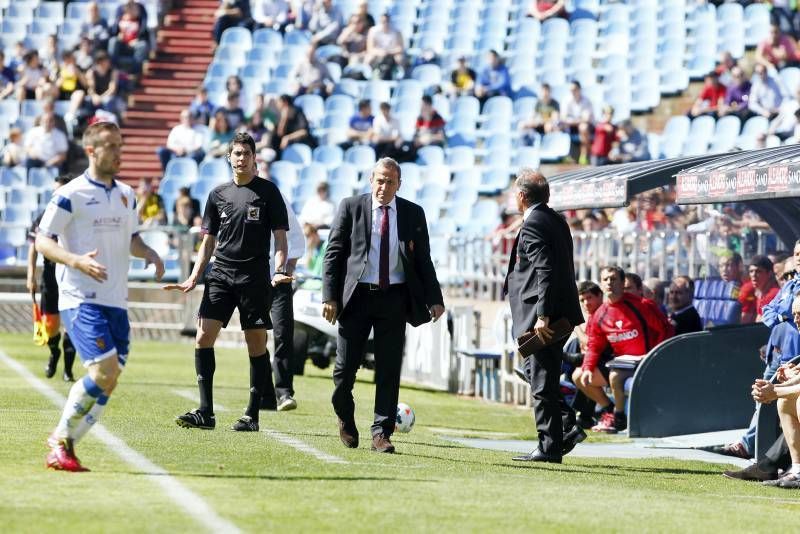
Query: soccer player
[(94, 217), (49, 302), (238, 219)]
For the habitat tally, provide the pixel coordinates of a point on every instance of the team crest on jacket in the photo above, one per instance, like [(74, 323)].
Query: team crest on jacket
[(101, 343)]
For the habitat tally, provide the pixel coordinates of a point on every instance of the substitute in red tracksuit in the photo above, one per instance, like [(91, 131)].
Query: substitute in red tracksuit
[(631, 326)]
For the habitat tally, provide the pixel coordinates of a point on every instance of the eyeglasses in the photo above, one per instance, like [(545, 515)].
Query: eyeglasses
[(788, 275)]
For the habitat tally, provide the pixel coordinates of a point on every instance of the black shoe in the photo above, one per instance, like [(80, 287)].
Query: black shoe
[(751, 473), (620, 421), (245, 424), (196, 419), (586, 422), (68, 376), (575, 359), (537, 456), (572, 438), (50, 369)]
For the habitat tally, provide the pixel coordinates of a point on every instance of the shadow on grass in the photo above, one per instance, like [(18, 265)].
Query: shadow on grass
[(657, 470), (283, 478)]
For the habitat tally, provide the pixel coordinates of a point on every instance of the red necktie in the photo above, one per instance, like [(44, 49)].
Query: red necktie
[(383, 272)]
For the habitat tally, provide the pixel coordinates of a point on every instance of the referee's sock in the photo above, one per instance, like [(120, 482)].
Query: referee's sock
[(204, 365), (69, 354), (258, 378)]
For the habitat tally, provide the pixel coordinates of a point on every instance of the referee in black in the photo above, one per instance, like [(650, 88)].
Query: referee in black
[(238, 219), (49, 302)]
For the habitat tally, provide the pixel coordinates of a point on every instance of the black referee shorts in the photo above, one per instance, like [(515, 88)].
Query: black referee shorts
[(253, 299)]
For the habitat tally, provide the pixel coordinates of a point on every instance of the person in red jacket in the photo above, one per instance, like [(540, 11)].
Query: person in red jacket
[(631, 326)]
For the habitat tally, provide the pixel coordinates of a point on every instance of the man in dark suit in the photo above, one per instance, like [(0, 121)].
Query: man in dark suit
[(541, 288), (377, 274)]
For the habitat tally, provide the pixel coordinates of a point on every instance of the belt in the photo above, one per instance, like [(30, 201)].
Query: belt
[(376, 287)]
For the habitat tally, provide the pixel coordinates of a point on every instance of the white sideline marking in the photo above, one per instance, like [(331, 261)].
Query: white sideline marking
[(196, 398), (303, 447), (194, 505)]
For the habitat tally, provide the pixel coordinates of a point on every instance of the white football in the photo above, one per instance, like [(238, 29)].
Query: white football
[(405, 418)]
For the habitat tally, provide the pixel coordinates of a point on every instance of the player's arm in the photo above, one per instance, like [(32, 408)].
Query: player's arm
[(207, 246), (140, 249), (85, 263), (30, 282), (281, 275)]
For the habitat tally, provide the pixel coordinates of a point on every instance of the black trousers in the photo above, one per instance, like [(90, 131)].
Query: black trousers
[(385, 313), (777, 456), (282, 315), (552, 413)]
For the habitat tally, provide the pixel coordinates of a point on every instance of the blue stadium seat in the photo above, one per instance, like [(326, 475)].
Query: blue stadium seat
[(314, 173), (675, 132), (555, 146), (296, 38), (42, 177), (298, 154), (436, 174), (238, 37), (283, 173), (751, 130), (428, 75), (12, 177), (221, 71), (494, 181), (17, 215), (467, 179), (214, 171), (234, 55), (182, 170), (347, 173), (757, 23), (13, 236), (340, 103), (699, 137), (329, 155), (361, 156), (725, 134), (527, 156), (267, 39), (430, 155), (460, 158), (78, 11), (789, 80), (313, 107), (24, 198)]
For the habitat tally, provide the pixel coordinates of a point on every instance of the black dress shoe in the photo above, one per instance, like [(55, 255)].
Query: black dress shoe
[(537, 456), (348, 433), (572, 438)]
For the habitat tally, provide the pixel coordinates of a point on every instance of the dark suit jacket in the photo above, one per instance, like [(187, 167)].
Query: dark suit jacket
[(542, 281), (348, 248)]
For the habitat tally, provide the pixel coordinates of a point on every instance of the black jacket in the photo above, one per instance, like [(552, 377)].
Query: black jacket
[(541, 277), (348, 248)]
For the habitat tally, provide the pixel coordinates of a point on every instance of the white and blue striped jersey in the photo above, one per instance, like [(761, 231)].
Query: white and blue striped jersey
[(87, 215)]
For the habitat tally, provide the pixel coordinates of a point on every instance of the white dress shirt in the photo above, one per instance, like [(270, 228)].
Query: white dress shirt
[(295, 239), (372, 272)]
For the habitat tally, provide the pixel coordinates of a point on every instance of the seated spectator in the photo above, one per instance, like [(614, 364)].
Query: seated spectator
[(221, 135), (186, 212), (725, 67), (359, 130), (18, 59), (765, 94), (150, 204), (362, 10), (764, 283), (184, 140), (577, 116), (682, 313), (785, 123), (315, 251), (84, 54), (630, 145), (318, 210), (462, 79), (229, 14), (544, 119), (129, 43), (233, 84), (711, 97), (494, 79), (103, 87), (430, 125), (630, 326), (353, 41), (730, 266), (736, 96), (384, 48), (7, 78), (14, 152), (633, 284), (95, 28), (658, 289), (31, 77), (49, 108), (292, 126), (233, 112), (545, 9), (300, 14), (45, 145), (326, 23), (70, 83), (49, 57), (311, 75), (271, 14), (200, 107), (259, 126), (604, 136), (385, 138), (776, 51)]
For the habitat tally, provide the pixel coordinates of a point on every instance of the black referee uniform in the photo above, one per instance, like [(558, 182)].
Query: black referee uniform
[(48, 303), (241, 218)]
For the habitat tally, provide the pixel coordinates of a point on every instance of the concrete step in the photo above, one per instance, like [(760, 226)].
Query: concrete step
[(177, 66), (159, 92), (162, 109), (183, 34), (190, 18), (180, 46)]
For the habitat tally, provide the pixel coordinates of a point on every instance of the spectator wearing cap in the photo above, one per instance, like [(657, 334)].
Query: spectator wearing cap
[(604, 136), (462, 79), (184, 140), (711, 97), (764, 283), (765, 94), (494, 79), (682, 313), (630, 144)]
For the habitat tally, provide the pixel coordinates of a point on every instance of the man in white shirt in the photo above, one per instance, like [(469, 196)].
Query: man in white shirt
[(326, 23), (385, 138), (577, 118), (318, 210), (94, 217), (384, 44), (184, 140), (765, 94), (46, 146), (271, 13)]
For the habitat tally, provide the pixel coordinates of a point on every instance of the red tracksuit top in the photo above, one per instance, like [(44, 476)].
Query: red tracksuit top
[(618, 325)]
